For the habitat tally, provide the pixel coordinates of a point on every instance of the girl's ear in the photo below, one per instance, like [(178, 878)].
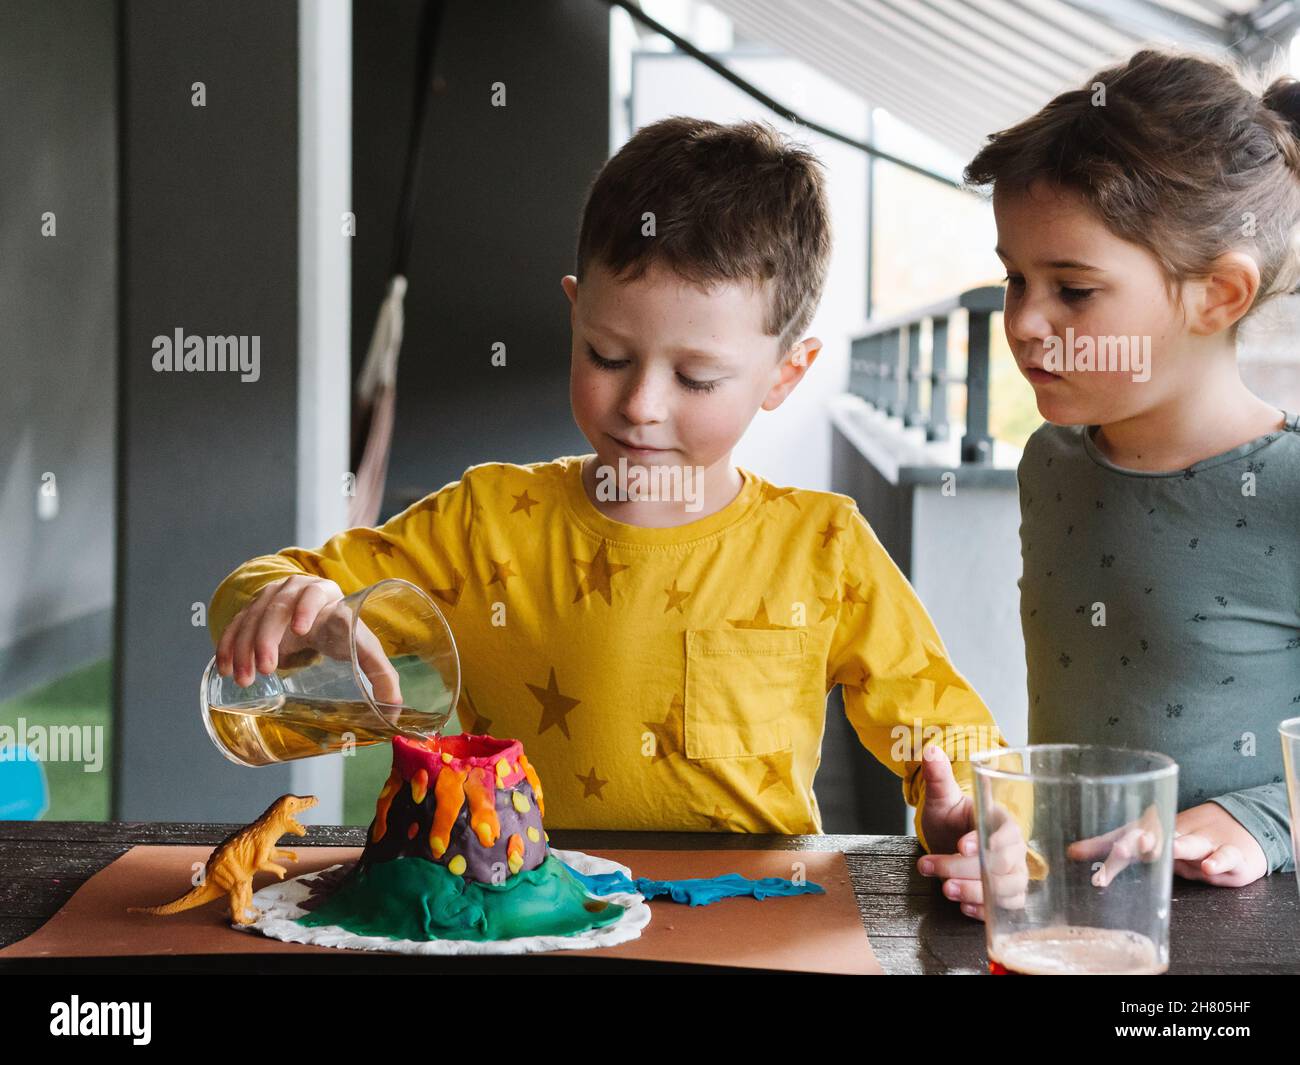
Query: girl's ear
[(1224, 294)]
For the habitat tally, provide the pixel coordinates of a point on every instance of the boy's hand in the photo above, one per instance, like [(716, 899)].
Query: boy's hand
[(948, 812), (954, 819), (296, 614)]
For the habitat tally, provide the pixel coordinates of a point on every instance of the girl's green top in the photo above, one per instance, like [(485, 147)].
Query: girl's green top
[(1162, 611)]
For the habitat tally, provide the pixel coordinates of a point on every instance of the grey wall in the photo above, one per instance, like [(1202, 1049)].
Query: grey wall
[(965, 569), (209, 239), (58, 306), (856, 793), (207, 471), (98, 119), (961, 554), (498, 220)]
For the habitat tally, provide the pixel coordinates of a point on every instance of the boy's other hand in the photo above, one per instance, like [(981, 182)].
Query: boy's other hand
[(295, 614)]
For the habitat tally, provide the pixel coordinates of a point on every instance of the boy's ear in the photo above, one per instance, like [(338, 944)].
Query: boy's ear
[(792, 368), (805, 353), (1224, 294)]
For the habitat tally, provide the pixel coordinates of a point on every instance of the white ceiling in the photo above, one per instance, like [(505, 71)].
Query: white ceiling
[(958, 70)]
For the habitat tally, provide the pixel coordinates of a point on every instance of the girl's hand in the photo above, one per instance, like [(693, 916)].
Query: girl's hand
[(1209, 844), (1212, 845), (1140, 840)]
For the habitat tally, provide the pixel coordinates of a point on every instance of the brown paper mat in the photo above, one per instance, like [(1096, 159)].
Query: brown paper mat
[(801, 933)]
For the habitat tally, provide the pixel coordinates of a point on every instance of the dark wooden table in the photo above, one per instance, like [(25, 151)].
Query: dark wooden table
[(913, 928)]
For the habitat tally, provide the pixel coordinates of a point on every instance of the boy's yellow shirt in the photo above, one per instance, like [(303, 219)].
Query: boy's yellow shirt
[(664, 678)]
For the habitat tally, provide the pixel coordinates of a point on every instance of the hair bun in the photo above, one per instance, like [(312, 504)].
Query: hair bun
[(1283, 97)]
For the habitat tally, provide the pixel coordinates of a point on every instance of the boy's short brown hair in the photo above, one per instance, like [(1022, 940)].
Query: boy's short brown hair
[(728, 203)]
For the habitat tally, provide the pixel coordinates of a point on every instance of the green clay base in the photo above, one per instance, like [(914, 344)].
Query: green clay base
[(411, 898)]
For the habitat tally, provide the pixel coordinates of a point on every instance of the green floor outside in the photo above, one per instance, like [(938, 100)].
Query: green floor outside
[(364, 774), (83, 697), (75, 700)]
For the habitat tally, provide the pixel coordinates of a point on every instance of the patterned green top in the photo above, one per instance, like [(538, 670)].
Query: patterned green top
[(1162, 611)]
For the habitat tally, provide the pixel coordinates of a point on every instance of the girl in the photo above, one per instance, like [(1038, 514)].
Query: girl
[(1140, 220)]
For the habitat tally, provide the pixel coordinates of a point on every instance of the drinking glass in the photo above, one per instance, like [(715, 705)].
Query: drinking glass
[(1096, 826), (1290, 731), (385, 663)]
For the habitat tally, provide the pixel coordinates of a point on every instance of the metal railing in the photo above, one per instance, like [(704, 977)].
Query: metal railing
[(885, 369)]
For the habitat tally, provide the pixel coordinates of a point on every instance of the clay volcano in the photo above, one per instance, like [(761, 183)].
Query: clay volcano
[(472, 803), (457, 850)]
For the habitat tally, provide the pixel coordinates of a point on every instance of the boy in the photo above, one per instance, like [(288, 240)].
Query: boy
[(666, 660)]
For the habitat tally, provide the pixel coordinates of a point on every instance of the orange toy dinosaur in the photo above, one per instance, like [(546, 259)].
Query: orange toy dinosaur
[(230, 868)]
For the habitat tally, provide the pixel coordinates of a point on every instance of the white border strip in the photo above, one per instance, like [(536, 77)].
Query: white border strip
[(324, 312)]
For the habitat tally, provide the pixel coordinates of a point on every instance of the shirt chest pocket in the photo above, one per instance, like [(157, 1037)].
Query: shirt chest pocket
[(739, 687)]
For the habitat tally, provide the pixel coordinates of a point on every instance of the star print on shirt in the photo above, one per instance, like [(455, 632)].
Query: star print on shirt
[(829, 533), (378, 543), (852, 597), (758, 621), (430, 503), (474, 723), (676, 597), (591, 784), (555, 706), (771, 493), (524, 502), (501, 572), (776, 770), (830, 607), (451, 596), (598, 572), (669, 734), (719, 820), (940, 672)]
